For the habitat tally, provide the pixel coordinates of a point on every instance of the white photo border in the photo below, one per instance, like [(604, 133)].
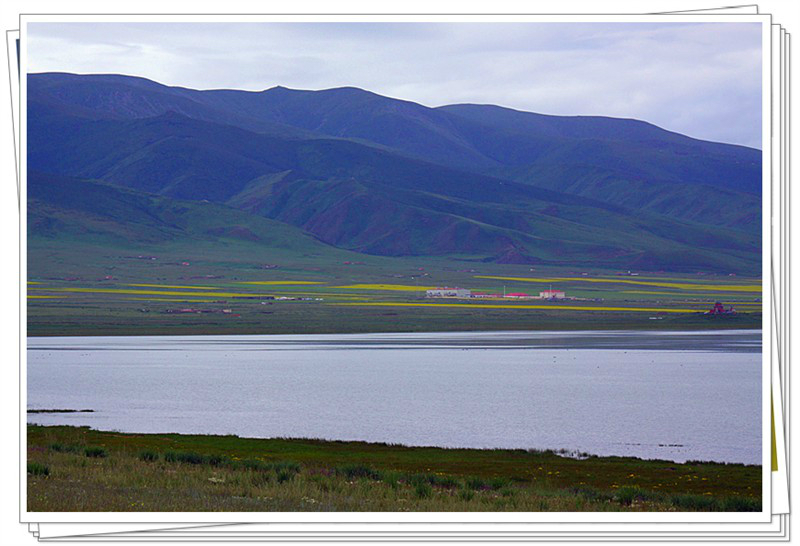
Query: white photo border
[(409, 517)]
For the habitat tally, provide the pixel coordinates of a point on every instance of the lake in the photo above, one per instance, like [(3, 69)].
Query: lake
[(667, 395)]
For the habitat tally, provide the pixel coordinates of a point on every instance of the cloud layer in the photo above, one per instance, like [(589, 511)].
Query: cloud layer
[(700, 79)]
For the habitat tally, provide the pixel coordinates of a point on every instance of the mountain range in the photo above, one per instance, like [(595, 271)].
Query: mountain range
[(124, 159)]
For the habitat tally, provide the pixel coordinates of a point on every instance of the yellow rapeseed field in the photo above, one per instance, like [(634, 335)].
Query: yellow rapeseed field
[(280, 282), (681, 286), (398, 287), (172, 286), (675, 293), (322, 295), (153, 292), (647, 292), (173, 300)]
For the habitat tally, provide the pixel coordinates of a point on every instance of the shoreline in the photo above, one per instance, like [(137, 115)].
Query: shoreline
[(724, 324), (73, 468), (565, 453)]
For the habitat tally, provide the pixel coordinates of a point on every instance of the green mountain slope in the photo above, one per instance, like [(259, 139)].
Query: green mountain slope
[(363, 173)]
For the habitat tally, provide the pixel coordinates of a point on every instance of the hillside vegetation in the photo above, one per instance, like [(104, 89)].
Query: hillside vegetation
[(359, 172)]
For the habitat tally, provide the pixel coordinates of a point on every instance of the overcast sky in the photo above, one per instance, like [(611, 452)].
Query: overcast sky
[(700, 79)]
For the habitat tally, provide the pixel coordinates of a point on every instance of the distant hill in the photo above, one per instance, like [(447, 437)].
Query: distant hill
[(62, 208), (376, 175)]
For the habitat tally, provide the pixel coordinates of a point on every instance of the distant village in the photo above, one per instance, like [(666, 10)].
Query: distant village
[(465, 293)]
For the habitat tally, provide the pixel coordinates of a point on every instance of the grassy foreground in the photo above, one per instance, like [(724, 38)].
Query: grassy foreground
[(79, 469)]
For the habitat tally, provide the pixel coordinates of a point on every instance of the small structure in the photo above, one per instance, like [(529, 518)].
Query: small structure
[(446, 292), (719, 309), (552, 295), (518, 295)]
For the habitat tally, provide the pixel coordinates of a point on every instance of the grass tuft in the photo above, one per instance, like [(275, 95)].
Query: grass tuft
[(423, 491), (148, 456), (466, 495), (740, 504), (353, 471), (284, 476), (286, 466), (95, 452), (191, 457), (499, 483), (591, 494), (38, 469), (65, 448), (259, 479), (477, 484), (629, 494)]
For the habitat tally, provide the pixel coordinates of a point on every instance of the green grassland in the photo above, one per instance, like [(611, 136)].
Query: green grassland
[(95, 289), (79, 469)]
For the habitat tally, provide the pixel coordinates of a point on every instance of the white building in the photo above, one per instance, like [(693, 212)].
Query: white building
[(449, 293), (552, 295)]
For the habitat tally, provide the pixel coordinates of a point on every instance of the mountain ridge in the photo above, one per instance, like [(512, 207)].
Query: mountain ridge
[(377, 175)]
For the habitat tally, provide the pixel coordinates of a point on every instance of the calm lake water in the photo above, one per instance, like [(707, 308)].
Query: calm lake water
[(670, 395)]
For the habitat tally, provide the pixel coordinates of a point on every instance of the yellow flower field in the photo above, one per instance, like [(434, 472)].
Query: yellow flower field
[(171, 286), (397, 287), (323, 294), (681, 286), (173, 300), (153, 292), (193, 295), (676, 293), (279, 282)]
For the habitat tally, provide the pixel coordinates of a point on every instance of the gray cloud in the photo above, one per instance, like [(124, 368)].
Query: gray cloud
[(700, 79)]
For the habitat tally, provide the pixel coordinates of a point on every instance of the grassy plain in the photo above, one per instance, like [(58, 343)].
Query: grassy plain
[(95, 290), (78, 469)]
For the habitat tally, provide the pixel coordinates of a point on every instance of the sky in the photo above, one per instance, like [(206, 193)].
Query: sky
[(699, 79)]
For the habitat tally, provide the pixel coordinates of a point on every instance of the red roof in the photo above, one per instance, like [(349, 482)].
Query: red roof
[(517, 294)]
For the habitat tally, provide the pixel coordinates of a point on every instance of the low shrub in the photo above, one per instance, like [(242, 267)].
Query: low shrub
[(446, 482), (499, 483), (591, 494), (626, 495), (707, 503), (215, 460), (286, 466), (65, 448), (148, 456), (423, 491), (259, 479), (694, 502), (253, 464), (353, 471), (466, 494), (476, 484), (740, 504), (284, 476), (38, 469), (189, 457), (95, 452)]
